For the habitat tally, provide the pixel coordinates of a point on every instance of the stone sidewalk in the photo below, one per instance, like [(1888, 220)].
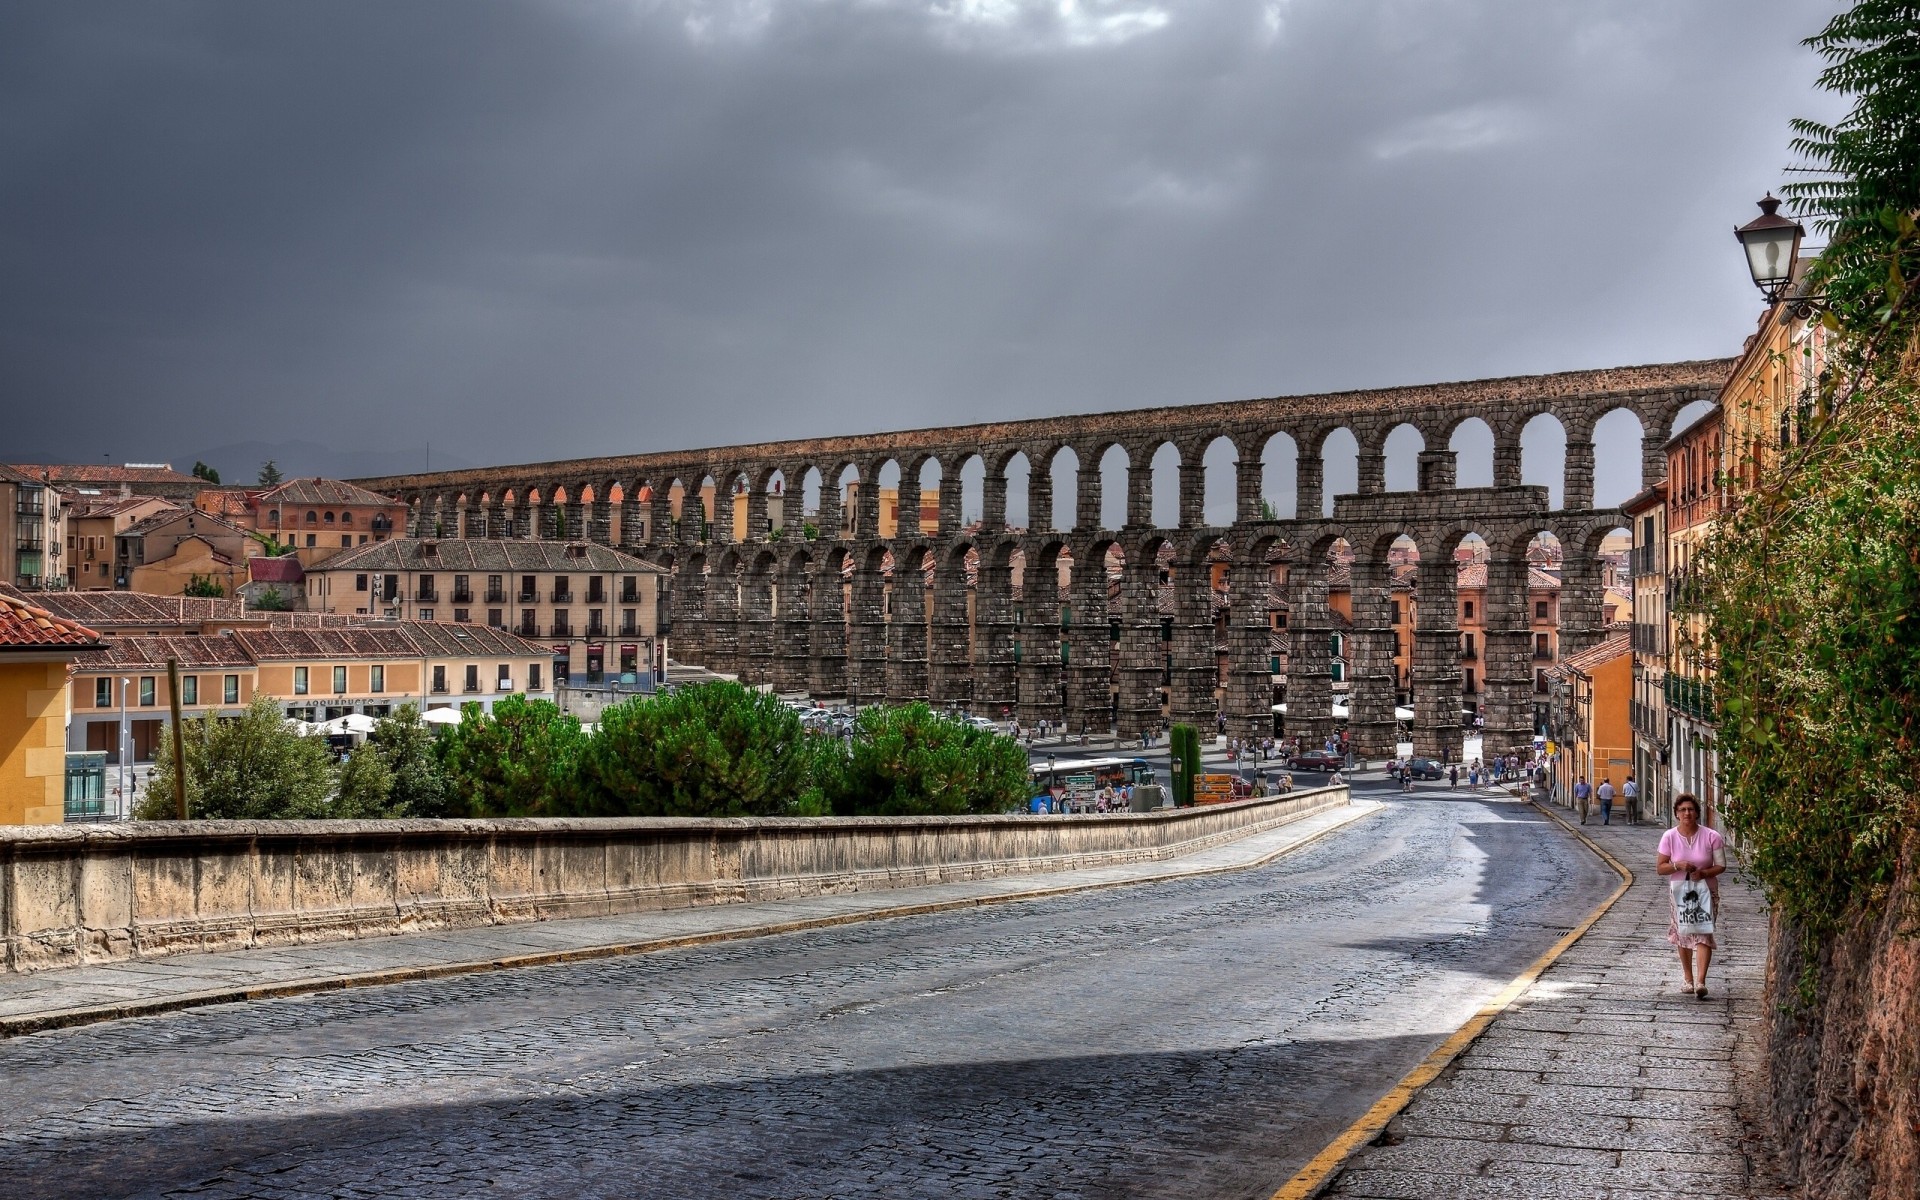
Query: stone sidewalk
[(109, 991), (1603, 1080)]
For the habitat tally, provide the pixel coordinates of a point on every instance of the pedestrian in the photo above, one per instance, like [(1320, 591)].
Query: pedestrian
[(1691, 851), (1631, 795), (1453, 776), (1582, 792), (1606, 800)]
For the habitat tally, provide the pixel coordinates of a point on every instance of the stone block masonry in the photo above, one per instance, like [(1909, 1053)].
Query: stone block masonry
[(965, 633), (83, 894)]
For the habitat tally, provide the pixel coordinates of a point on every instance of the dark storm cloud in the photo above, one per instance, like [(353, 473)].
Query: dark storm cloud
[(534, 230)]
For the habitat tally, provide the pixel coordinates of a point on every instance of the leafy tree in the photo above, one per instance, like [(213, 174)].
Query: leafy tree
[(523, 760), (1183, 741), (203, 471), (272, 600), (1811, 584), (250, 767), (364, 786), (205, 585), (269, 474), (912, 760), (410, 750), (712, 750)]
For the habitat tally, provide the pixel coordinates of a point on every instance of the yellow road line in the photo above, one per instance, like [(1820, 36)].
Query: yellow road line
[(1325, 1165)]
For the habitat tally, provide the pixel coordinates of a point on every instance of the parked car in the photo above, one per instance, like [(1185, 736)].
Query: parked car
[(1425, 768), (1316, 760)]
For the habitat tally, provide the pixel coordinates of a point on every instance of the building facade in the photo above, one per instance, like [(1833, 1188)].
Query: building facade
[(175, 552), (33, 535), (1589, 723), (1652, 735), (119, 699), (318, 518), (94, 521), (36, 650), (597, 609)]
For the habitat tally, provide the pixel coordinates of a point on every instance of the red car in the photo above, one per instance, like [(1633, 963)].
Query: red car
[(1316, 760)]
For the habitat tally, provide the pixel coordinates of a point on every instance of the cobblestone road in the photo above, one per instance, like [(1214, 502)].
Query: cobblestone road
[(1194, 1038)]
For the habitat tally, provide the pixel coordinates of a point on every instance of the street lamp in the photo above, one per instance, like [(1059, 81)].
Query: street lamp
[(1772, 243)]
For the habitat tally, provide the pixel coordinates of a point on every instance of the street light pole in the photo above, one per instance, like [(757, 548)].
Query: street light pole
[(125, 683)]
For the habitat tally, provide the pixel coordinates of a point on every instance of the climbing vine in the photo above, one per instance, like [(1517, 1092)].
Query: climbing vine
[(1812, 582)]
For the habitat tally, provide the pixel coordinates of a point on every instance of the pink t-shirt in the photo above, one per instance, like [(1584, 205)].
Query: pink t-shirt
[(1701, 850)]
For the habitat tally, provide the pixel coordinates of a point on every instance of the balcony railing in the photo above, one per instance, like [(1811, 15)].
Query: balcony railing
[(529, 629), (439, 687), (427, 596), (473, 685), (529, 597), (1692, 697), (563, 629), (563, 597), (496, 596), (629, 596), (629, 629), (462, 596), (596, 629)]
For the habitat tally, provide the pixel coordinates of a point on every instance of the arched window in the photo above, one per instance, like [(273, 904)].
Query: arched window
[(346, 518), (273, 516), (329, 518), (313, 518)]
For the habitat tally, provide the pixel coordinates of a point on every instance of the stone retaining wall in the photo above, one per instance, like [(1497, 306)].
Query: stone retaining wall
[(76, 894)]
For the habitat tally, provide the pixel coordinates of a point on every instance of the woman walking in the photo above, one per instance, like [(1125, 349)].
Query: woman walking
[(1688, 852)]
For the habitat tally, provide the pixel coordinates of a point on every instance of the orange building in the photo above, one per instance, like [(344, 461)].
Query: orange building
[(1591, 723)]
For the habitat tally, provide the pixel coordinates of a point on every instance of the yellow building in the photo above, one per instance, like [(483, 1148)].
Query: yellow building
[(1592, 695), (35, 649)]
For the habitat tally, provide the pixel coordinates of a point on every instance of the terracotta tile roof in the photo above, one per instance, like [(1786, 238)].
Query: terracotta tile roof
[(284, 569), (323, 491), (104, 473), (391, 639), (1618, 644), (481, 555), (110, 610), (109, 506), (440, 639), (25, 626), (193, 651), (227, 502), (366, 641)]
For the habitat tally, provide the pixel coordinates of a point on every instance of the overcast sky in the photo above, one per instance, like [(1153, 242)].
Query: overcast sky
[(522, 231)]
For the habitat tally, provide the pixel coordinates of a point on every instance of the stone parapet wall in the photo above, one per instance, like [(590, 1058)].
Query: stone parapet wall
[(83, 894)]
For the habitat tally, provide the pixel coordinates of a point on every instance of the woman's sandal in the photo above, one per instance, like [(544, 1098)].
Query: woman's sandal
[(1701, 992)]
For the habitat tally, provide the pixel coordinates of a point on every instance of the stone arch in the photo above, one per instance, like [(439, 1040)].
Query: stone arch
[(1167, 466), (1065, 473), (1543, 443), (1015, 472), (1403, 446), (1115, 466), (1618, 441), (1471, 441), (811, 484), (1338, 450), (1219, 465), (1279, 475)]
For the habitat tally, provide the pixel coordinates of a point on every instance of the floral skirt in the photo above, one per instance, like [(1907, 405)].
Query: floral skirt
[(1692, 940)]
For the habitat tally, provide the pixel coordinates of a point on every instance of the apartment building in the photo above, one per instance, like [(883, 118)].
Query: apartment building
[(119, 699), (1590, 715), (319, 518), (598, 610), (1647, 714), (1696, 495), (32, 530), (169, 553), (94, 521)]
